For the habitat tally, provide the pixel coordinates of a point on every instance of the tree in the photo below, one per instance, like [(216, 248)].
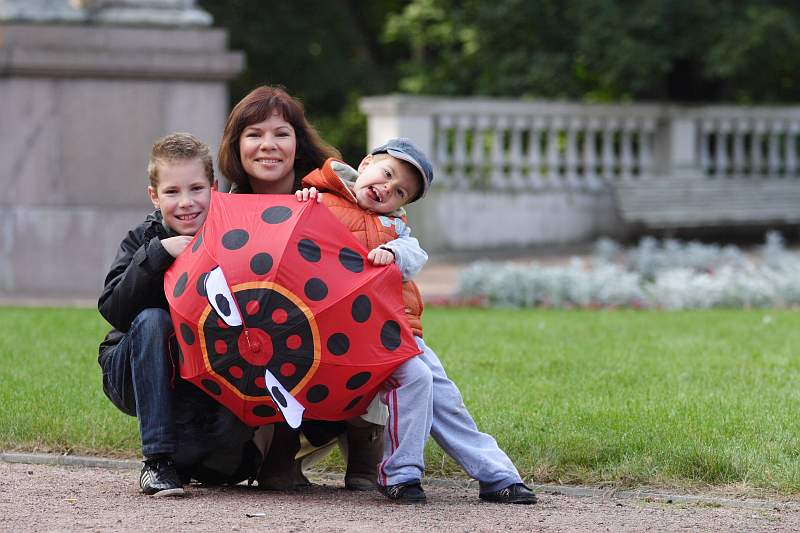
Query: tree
[(680, 50), (326, 53)]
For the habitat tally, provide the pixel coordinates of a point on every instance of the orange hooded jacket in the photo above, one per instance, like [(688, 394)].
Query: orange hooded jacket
[(365, 226)]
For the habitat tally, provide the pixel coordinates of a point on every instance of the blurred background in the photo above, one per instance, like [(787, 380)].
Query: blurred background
[(550, 123), (331, 53)]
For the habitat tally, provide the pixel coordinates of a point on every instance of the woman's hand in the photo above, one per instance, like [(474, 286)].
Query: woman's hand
[(306, 193), (175, 245), (380, 256)]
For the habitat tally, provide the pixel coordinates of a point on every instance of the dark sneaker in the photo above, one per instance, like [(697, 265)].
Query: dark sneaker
[(408, 492), (159, 478), (516, 493)]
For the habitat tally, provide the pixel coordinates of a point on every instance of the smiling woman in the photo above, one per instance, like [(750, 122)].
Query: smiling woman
[(267, 150), (267, 147), (268, 144)]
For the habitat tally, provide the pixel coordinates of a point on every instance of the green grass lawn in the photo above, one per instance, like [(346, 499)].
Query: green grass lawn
[(621, 397)]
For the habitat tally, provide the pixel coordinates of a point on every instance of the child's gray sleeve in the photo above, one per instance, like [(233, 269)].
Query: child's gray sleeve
[(408, 255)]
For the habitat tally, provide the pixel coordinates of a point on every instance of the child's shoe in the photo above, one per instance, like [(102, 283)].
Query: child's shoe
[(408, 492), (514, 493), (159, 477)]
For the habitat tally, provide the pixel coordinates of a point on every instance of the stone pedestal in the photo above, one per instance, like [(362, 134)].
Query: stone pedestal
[(80, 106)]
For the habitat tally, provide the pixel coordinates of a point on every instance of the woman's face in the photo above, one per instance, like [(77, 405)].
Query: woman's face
[(267, 151)]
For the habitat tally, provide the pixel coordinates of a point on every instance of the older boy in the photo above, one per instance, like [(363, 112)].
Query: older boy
[(137, 369), (421, 398)]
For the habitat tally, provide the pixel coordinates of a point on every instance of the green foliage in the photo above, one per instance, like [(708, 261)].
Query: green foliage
[(601, 49), (628, 398), (329, 53), (326, 53)]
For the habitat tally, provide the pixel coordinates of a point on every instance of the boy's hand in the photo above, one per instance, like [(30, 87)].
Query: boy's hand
[(175, 245), (305, 194), (380, 257)]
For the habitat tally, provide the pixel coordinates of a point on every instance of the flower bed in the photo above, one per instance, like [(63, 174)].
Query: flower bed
[(655, 274)]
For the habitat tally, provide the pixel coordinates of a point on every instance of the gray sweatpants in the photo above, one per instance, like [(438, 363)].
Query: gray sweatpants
[(422, 400)]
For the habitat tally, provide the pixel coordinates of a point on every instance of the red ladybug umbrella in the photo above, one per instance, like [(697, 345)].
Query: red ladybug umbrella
[(279, 315)]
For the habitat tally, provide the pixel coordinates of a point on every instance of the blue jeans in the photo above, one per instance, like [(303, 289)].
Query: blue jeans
[(137, 379)]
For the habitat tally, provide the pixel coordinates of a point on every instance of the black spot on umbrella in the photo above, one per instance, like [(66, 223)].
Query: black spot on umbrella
[(338, 344), (361, 309), (316, 289), (390, 335), (353, 403), (223, 304), (358, 380), (276, 394), (201, 284), (211, 386), (197, 243), (276, 214), (187, 334), (317, 393), (351, 260), (180, 285), (261, 263), (235, 239), (264, 411), (309, 250)]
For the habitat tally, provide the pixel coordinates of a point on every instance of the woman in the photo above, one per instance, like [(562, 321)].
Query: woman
[(267, 147)]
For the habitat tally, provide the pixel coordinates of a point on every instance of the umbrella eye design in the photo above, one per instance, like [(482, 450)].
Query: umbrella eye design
[(220, 298), (290, 408)]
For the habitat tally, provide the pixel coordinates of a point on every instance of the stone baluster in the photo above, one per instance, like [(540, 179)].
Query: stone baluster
[(460, 152), (773, 135), (704, 140), (721, 158), (646, 148), (481, 130), (790, 148), (517, 127), (534, 159), (442, 159), (571, 153), (553, 152), (626, 153), (608, 133), (498, 156), (590, 133), (757, 147), (739, 130)]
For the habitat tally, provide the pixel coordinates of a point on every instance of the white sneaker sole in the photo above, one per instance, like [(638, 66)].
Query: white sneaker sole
[(170, 492)]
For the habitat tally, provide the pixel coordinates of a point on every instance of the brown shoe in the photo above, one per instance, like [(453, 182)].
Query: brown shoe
[(364, 452), (279, 469)]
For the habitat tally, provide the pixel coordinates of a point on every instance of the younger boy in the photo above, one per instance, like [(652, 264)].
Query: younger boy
[(421, 398), (137, 370)]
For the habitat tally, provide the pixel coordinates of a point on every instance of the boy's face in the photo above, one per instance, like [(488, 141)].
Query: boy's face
[(183, 194), (385, 184)]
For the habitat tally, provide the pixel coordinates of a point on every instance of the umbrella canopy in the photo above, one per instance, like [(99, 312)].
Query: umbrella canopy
[(279, 315)]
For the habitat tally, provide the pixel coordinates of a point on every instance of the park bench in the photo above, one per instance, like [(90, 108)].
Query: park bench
[(701, 202)]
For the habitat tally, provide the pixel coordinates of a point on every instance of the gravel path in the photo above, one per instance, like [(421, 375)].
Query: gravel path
[(35, 497)]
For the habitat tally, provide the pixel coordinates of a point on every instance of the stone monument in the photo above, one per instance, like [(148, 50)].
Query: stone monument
[(86, 87)]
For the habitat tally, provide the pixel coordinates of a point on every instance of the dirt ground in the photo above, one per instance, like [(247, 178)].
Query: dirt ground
[(75, 498)]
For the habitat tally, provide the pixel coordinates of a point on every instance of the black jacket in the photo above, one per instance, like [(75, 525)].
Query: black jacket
[(135, 280)]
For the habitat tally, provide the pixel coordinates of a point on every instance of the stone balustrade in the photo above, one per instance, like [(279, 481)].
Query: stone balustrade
[(516, 145), (612, 160)]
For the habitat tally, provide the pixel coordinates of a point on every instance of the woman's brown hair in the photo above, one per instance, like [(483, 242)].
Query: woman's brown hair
[(259, 105)]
